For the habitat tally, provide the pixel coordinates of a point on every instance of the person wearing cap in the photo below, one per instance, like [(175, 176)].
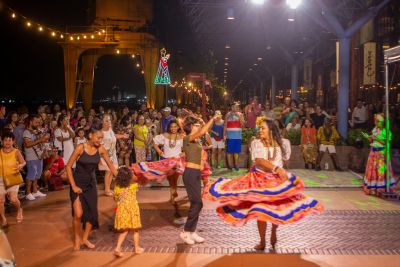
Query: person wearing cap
[(217, 140), (375, 172), (166, 119), (327, 137)]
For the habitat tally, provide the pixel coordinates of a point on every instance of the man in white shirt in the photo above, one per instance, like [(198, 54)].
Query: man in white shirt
[(360, 116)]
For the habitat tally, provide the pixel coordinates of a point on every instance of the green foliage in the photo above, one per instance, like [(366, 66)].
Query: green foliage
[(247, 134), (294, 137), (354, 137)]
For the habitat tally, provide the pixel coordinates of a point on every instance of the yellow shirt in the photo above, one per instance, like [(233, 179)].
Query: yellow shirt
[(9, 162), (325, 141), (142, 132)]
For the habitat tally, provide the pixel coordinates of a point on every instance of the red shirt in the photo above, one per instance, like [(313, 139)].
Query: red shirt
[(57, 165)]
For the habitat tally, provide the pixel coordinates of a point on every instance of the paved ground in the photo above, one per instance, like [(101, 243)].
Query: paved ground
[(355, 230)]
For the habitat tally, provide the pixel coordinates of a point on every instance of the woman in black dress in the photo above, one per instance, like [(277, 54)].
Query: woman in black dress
[(83, 190)]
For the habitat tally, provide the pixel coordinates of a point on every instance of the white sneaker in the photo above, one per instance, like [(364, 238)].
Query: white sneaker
[(196, 238), (30, 197), (39, 194), (186, 237)]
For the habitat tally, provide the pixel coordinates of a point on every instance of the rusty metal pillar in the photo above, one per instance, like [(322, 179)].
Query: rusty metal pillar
[(89, 60), (71, 56), (149, 57)]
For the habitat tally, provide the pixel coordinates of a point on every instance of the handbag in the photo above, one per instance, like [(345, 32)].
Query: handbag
[(10, 179)]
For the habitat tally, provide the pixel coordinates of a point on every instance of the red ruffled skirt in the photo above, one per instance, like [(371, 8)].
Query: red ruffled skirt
[(262, 196), (159, 170)]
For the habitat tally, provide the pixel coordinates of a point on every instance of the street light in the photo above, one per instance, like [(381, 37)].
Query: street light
[(293, 4)]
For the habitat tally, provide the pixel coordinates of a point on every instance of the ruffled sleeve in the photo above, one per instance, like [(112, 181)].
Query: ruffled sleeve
[(257, 150), (159, 139)]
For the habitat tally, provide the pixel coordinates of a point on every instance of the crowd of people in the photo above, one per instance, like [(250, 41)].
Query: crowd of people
[(57, 147)]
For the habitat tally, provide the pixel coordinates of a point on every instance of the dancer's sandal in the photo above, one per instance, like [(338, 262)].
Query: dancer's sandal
[(118, 254), (88, 244)]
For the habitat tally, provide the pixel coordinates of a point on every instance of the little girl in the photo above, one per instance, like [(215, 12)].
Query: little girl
[(127, 213), (80, 137)]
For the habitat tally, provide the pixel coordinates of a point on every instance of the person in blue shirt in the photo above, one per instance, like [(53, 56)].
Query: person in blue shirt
[(166, 118)]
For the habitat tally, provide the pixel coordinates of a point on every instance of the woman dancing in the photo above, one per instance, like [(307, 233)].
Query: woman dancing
[(267, 193), (171, 142), (83, 191), (192, 175), (375, 173)]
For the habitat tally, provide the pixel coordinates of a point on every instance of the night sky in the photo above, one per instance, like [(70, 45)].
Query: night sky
[(33, 62)]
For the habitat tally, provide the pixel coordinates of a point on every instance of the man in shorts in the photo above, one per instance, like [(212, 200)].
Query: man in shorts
[(33, 156)]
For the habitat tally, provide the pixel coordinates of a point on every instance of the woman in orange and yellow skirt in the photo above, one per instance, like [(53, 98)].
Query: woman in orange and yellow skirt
[(267, 193)]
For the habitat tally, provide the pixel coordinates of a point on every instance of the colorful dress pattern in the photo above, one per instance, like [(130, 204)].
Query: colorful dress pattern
[(160, 170), (262, 195), (374, 179), (127, 214)]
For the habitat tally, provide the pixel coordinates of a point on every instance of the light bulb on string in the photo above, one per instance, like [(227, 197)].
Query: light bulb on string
[(28, 24), (71, 38), (13, 15), (84, 37), (78, 38), (138, 65), (99, 33), (92, 36), (53, 34), (62, 36), (40, 28)]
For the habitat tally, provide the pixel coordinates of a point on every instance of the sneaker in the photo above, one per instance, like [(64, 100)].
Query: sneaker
[(196, 238), (39, 194), (30, 197), (186, 237)]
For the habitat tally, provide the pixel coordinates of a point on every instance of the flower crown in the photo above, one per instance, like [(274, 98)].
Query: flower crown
[(260, 120)]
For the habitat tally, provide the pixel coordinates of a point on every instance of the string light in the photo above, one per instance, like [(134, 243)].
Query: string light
[(117, 51), (137, 65), (52, 32)]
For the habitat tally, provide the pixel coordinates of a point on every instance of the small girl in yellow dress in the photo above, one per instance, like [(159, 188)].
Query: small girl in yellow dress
[(127, 213)]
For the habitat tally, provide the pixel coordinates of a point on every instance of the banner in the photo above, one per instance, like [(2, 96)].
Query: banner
[(369, 63), (307, 76)]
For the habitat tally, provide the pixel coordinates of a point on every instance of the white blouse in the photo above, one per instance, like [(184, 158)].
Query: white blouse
[(258, 150), (169, 152)]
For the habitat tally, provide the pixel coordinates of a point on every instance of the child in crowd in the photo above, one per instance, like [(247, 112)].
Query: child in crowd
[(127, 213), (80, 137)]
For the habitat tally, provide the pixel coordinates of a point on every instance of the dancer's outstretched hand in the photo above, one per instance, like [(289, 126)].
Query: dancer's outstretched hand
[(282, 174)]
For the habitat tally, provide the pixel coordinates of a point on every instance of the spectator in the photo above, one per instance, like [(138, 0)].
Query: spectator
[(252, 111), (19, 131), (234, 121), (309, 143), (217, 140), (11, 161), (124, 145), (166, 119), (80, 137), (109, 142), (33, 156), (318, 117), (359, 116), (2, 116), (64, 138), (268, 112), (54, 171), (141, 139), (327, 137), (294, 124), (11, 121)]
